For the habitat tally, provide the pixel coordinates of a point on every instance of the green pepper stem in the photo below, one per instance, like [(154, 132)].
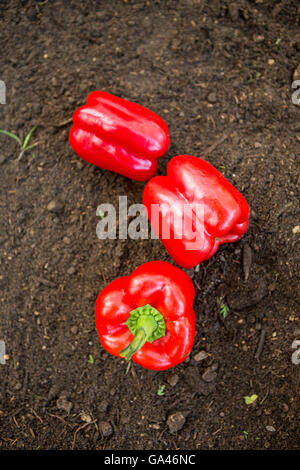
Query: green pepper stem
[(137, 343), (147, 326)]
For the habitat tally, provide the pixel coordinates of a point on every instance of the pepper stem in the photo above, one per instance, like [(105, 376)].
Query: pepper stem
[(146, 324)]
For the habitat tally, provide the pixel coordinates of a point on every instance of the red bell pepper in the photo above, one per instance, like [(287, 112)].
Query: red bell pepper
[(193, 236), (148, 316), (119, 135)]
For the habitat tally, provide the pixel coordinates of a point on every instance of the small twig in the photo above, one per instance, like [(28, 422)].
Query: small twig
[(277, 9), (63, 123), (16, 422), (60, 418), (265, 397), (215, 144), (247, 261), (78, 429), (216, 432), (260, 344), (213, 122), (44, 282), (128, 367), (36, 415), (283, 209)]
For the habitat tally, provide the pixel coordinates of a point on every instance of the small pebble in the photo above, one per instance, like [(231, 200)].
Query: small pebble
[(55, 206), (63, 404), (105, 428), (79, 165), (296, 229), (176, 422), (270, 428), (103, 406), (173, 380), (258, 37), (209, 375), (17, 386), (71, 270), (233, 10), (86, 418), (200, 356), (212, 98)]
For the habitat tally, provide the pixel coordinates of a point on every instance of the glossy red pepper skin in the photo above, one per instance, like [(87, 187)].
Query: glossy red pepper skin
[(191, 180), (118, 135), (171, 292)]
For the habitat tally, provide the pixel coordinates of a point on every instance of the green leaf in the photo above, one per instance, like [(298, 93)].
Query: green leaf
[(161, 390), (31, 146), (13, 136), (224, 309), (251, 399), (91, 359), (27, 138)]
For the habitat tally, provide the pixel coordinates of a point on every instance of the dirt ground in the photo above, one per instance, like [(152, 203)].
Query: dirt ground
[(220, 74)]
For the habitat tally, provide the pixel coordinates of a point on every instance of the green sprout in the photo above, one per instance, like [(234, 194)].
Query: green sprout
[(91, 359), (251, 399), (161, 390), (224, 309), (245, 435), (23, 145)]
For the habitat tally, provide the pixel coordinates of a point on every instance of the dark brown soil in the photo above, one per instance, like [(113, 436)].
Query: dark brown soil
[(220, 75)]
